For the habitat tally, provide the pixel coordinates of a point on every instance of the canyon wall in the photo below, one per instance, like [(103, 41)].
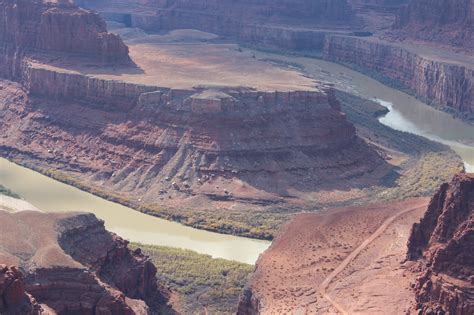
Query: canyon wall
[(449, 22), (446, 84), (444, 242), (71, 264), (295, 12), (195, 139), (294, 25), (49, 27)]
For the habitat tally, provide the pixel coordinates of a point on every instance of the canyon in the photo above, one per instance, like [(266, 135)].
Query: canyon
[(402, 37), (172, 142), (162, 110)]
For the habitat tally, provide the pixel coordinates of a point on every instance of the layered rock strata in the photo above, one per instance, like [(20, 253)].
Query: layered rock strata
[(447, 84), (40, 26), (185, 142), (448, 22), (74, 272), (443, 241)]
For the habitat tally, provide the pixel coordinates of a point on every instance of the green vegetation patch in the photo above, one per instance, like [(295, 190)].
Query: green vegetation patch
[(204, 283), (7, 192)]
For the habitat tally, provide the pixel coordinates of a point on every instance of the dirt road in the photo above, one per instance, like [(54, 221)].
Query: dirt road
[(325, 284)]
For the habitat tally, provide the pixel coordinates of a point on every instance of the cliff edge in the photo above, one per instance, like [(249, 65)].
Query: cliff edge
[(39, 26), (443, 242), (70, 264)]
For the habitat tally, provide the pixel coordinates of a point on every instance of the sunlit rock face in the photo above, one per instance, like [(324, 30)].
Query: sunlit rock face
[(35, 26), (448, 85), (444, 243), (70, 263)]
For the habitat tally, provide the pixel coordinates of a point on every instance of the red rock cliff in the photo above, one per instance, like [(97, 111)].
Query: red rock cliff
[(446, 84), (47, 27), (73, 265), (444, 239)]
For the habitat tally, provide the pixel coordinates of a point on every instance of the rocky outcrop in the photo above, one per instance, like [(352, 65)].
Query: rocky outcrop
[(108, 256), (447, 84), (448, 22), (36, 26), (13, 297), (71, 272), (444, 243)]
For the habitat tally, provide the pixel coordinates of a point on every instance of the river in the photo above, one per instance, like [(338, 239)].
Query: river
[(50, 195), (406, 112)]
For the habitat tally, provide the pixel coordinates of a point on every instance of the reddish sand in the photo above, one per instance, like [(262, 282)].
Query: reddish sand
[(348, 260)]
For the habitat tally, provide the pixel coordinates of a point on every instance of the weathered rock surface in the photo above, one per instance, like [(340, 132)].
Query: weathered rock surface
[(13, 297), (448, 22), (443, 241), (72, 264), (447, 83), (40, 26), (184, 143)]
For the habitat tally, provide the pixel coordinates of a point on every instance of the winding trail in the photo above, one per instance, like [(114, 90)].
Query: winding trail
[(325, 284)]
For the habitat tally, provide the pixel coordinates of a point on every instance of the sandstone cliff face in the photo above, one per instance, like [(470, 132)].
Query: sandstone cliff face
[(13, 297), (449, 22), (71, 272), (182, 143), (444, 238), (108, 256), (446, 84), (27, 26)]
